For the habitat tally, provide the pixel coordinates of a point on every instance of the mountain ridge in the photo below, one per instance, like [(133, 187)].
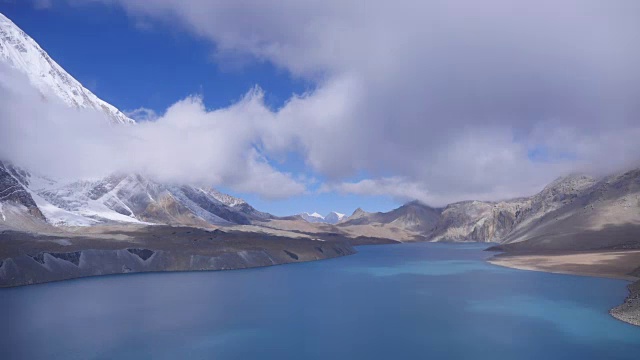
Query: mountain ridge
[(23, 53)]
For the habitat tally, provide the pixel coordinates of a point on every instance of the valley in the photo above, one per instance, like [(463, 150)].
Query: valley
[(54, 229)]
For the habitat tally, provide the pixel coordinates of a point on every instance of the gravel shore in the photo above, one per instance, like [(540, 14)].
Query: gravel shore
[(610, 264)]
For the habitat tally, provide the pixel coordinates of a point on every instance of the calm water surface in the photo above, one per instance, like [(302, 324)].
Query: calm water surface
[(416, 301)]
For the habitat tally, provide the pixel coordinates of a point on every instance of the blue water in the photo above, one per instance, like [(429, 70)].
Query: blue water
[(417, 301)]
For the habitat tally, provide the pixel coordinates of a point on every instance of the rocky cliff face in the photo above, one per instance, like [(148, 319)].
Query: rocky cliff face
[(14, 193), (605, 215), (495, 221)]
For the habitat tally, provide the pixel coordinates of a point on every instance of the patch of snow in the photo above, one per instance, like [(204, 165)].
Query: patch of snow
[(57, 216), (226, 199), (97, 209), (312, 218)]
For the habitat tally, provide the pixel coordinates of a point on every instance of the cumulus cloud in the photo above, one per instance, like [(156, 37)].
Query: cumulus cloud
[(395, 186), (450, 97), (189, 144)]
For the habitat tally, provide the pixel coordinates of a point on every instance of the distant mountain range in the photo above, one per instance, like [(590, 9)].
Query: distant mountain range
[(331, 218), (573, 212)]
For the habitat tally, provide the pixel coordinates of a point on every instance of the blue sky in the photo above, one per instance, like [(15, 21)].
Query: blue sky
[(152, 65), (153, 68)]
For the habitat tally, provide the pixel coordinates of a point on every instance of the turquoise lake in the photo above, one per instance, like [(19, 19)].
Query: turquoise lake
[(413, 301)]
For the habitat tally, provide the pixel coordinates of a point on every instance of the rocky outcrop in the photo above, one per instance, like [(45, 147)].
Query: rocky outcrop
[(13, 182), (605, 215), (629, 311)]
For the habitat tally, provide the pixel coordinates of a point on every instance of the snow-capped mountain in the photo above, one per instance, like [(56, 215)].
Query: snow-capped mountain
[(21, 52), (331, 218), (136, 198), (29, 200), (313, 217), (119, 198)]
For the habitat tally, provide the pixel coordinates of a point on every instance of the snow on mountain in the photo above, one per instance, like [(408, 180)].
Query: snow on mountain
[(134, 198), (121, 198), (331, 218), (224, 198), (312, 218), (125, 198), (21, 52)]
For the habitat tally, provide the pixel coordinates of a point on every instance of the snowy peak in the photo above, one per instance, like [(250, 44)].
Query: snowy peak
[(312, 218), (331, 218), (21, 52)]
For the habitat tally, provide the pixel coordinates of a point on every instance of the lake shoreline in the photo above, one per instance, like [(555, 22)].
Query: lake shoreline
[(612, 264)]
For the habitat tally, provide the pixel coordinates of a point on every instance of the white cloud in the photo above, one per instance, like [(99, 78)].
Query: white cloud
[(396, 187), (446, 98), (142, 114), (189, 144)]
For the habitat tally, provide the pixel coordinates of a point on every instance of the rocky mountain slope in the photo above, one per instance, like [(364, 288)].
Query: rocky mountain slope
[(120, 198), (493, 221), (570, 208), (605, 215), (333, 217), (413, 216), (27, 258)]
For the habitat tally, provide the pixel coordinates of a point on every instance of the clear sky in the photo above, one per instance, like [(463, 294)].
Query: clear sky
[(330, 105)]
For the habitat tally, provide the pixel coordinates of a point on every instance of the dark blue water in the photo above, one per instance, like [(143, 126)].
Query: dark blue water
[(418, 301)]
